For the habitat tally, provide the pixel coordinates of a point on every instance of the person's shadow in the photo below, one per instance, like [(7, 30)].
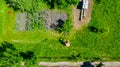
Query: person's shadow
[(86, 64), (79, 6)]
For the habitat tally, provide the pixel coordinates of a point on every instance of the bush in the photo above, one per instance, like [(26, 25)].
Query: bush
[(93, 29), (8, 55), (60, 3), (65, 27), (23, 5), (29, 5)]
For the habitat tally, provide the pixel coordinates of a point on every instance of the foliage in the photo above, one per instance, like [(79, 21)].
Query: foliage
[(93, 29), (32, 9), (9, 55), (35, 21), (66, 27), (23, 5), (85, 45), (32, 5), (60, 3)]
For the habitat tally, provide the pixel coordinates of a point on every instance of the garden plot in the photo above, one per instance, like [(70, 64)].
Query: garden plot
[(45, 19)]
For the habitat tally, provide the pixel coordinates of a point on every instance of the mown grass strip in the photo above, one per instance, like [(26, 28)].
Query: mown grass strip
[(2, 18)]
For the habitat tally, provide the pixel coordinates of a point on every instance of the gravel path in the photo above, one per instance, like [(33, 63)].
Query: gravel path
[(79, 64), (76, 15)]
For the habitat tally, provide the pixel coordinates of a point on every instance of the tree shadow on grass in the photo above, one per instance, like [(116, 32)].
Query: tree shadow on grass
[(27, 55), (79, 6)]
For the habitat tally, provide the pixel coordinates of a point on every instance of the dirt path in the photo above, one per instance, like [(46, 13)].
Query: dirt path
[(76, 15)]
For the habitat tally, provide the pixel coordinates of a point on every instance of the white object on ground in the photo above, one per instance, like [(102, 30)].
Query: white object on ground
[(85, 4)]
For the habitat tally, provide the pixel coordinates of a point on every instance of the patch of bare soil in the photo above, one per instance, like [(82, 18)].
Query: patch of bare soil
[(76, 15), (54, 19), (21, 21)]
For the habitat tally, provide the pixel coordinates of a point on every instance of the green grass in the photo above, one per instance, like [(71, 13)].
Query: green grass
[(103, 45), (6, 20), (85, 45), (2, 9)]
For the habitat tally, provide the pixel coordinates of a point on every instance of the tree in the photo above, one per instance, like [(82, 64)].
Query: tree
[(60, 3), (9, 55)]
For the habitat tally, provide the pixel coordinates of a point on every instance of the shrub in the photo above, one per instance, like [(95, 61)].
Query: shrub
[(60, 3), (66, 27), (23, 5), (93, 29), (8, 55)]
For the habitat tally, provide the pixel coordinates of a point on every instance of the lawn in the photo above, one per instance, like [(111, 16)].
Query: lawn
[(86, 45), (2, 9)]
